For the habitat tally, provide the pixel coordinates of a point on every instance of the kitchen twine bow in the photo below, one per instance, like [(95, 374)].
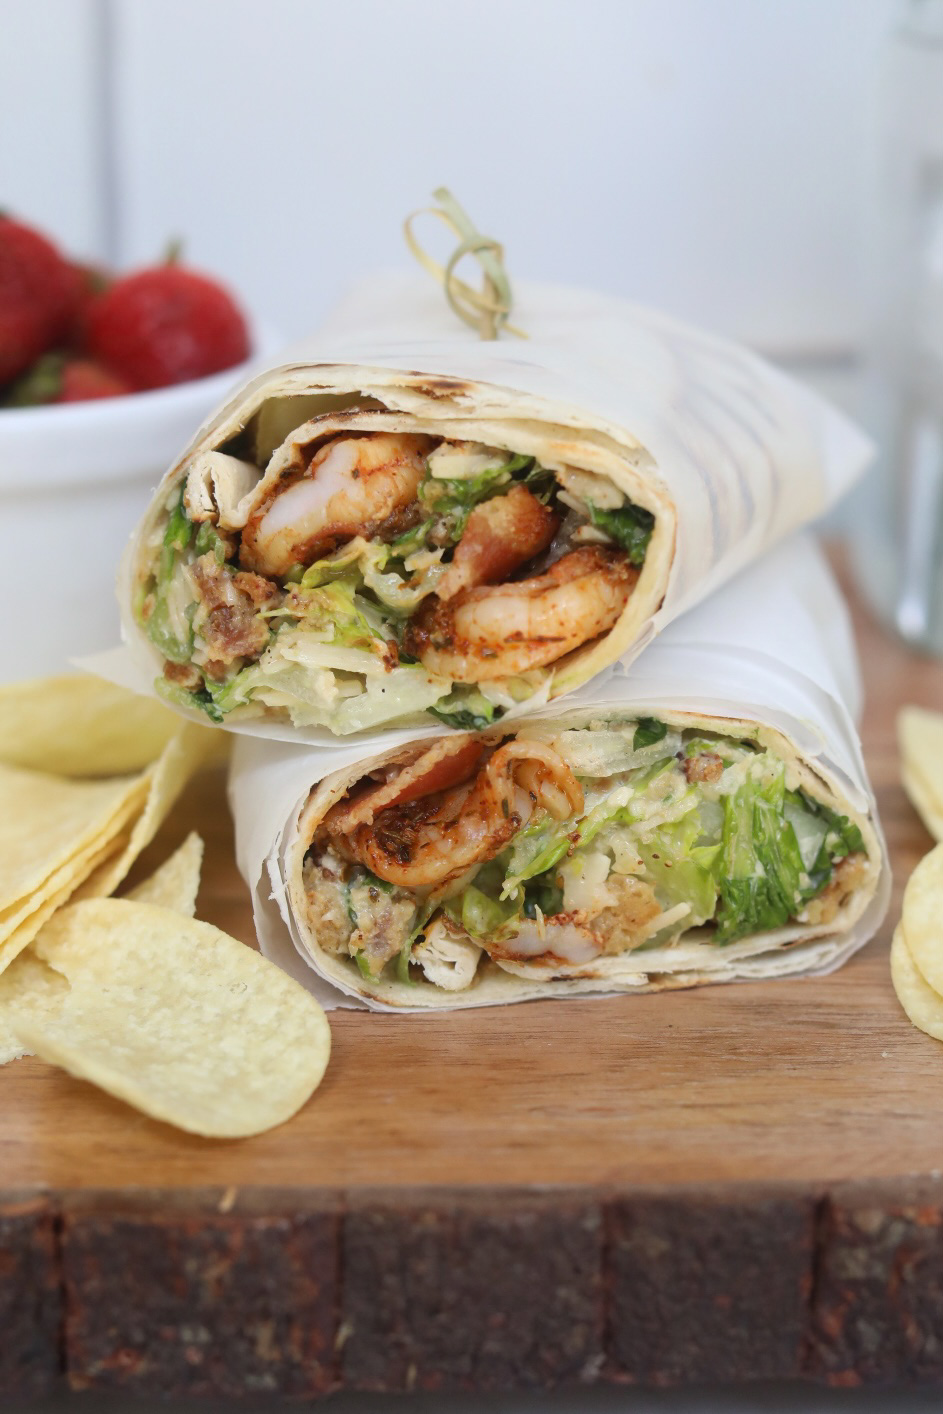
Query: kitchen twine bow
[(487, 309)]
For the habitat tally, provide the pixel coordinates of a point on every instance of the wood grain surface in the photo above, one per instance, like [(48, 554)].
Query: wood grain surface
[(719, 1183)]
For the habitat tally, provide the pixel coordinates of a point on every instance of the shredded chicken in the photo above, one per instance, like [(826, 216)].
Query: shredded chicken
[(626, 923), (326, 898), (384, 921)]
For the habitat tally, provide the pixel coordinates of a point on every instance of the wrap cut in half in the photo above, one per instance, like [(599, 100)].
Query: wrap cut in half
[(667, 836), (404, 526)]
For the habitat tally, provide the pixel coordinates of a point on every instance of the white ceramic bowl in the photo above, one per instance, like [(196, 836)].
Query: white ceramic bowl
[(74, 480)]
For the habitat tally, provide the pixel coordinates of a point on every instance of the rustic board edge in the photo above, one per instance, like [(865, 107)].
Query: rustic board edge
[(298, 1291)]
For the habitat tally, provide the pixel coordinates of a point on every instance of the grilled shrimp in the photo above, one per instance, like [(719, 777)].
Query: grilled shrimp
[(501, 535), (500, 631), (426, 842), (353, 486)]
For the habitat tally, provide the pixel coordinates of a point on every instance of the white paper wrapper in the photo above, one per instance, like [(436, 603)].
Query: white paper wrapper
[(774, 646), (730, 454)]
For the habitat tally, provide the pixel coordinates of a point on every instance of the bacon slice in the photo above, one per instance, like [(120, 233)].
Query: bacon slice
[(445, 763)]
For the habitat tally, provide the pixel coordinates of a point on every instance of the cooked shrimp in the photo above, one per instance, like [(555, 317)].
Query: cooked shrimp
[(562, 939), (353, 486), (501, 535), (424, 843), (486, 633)]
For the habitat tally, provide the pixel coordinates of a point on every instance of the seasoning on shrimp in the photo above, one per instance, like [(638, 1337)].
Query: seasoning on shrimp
[(424, 842), (509, 629)]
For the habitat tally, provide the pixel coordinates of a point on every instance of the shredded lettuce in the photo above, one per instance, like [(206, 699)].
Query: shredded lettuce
[(170, 625), (748, 858), (335, 609)]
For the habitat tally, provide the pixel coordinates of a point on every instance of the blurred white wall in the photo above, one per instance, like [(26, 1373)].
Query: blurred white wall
[(709, 156)]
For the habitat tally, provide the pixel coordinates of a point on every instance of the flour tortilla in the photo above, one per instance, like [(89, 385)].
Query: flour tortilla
[(796, 949)]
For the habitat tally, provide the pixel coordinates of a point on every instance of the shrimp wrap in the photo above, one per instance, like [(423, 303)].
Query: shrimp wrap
[(708, 821), (403, 526)]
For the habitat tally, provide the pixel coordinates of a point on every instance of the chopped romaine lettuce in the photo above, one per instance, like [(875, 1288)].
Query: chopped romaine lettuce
[(208, 540), (466, 709), (629, 526), (760, 865), (478, 914), (680, 870), (648, 730), (334, 607), (176, 538), (542, 893), (178, 696), (454, 499), (169, 626)]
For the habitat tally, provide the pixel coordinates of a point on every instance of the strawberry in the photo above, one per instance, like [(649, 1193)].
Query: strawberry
[(65, 378), (93, 280), (166, 325), (39, 294), (82, 379)]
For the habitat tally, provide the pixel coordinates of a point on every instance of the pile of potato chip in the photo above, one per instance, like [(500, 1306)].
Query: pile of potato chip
[(917, 948), (170, 1014)]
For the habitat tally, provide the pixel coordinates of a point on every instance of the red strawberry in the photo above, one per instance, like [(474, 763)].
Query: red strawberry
[(93, 282), (63, 378), (39, 293), (166, 325), (83, 379)]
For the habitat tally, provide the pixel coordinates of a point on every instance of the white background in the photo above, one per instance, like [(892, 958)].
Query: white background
[(715, 157)]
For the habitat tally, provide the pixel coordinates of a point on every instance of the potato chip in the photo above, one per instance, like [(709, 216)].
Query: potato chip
[(54, 834), (177, 882), (922, 1004), (28, 988), (178, 1019), (60, 888), (922, 918), (79, 725), (62, 839), (46, 820), (180, 759), (920, 735)]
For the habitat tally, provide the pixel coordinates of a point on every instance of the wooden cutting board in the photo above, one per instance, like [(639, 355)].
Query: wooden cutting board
[(729, 1183)]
